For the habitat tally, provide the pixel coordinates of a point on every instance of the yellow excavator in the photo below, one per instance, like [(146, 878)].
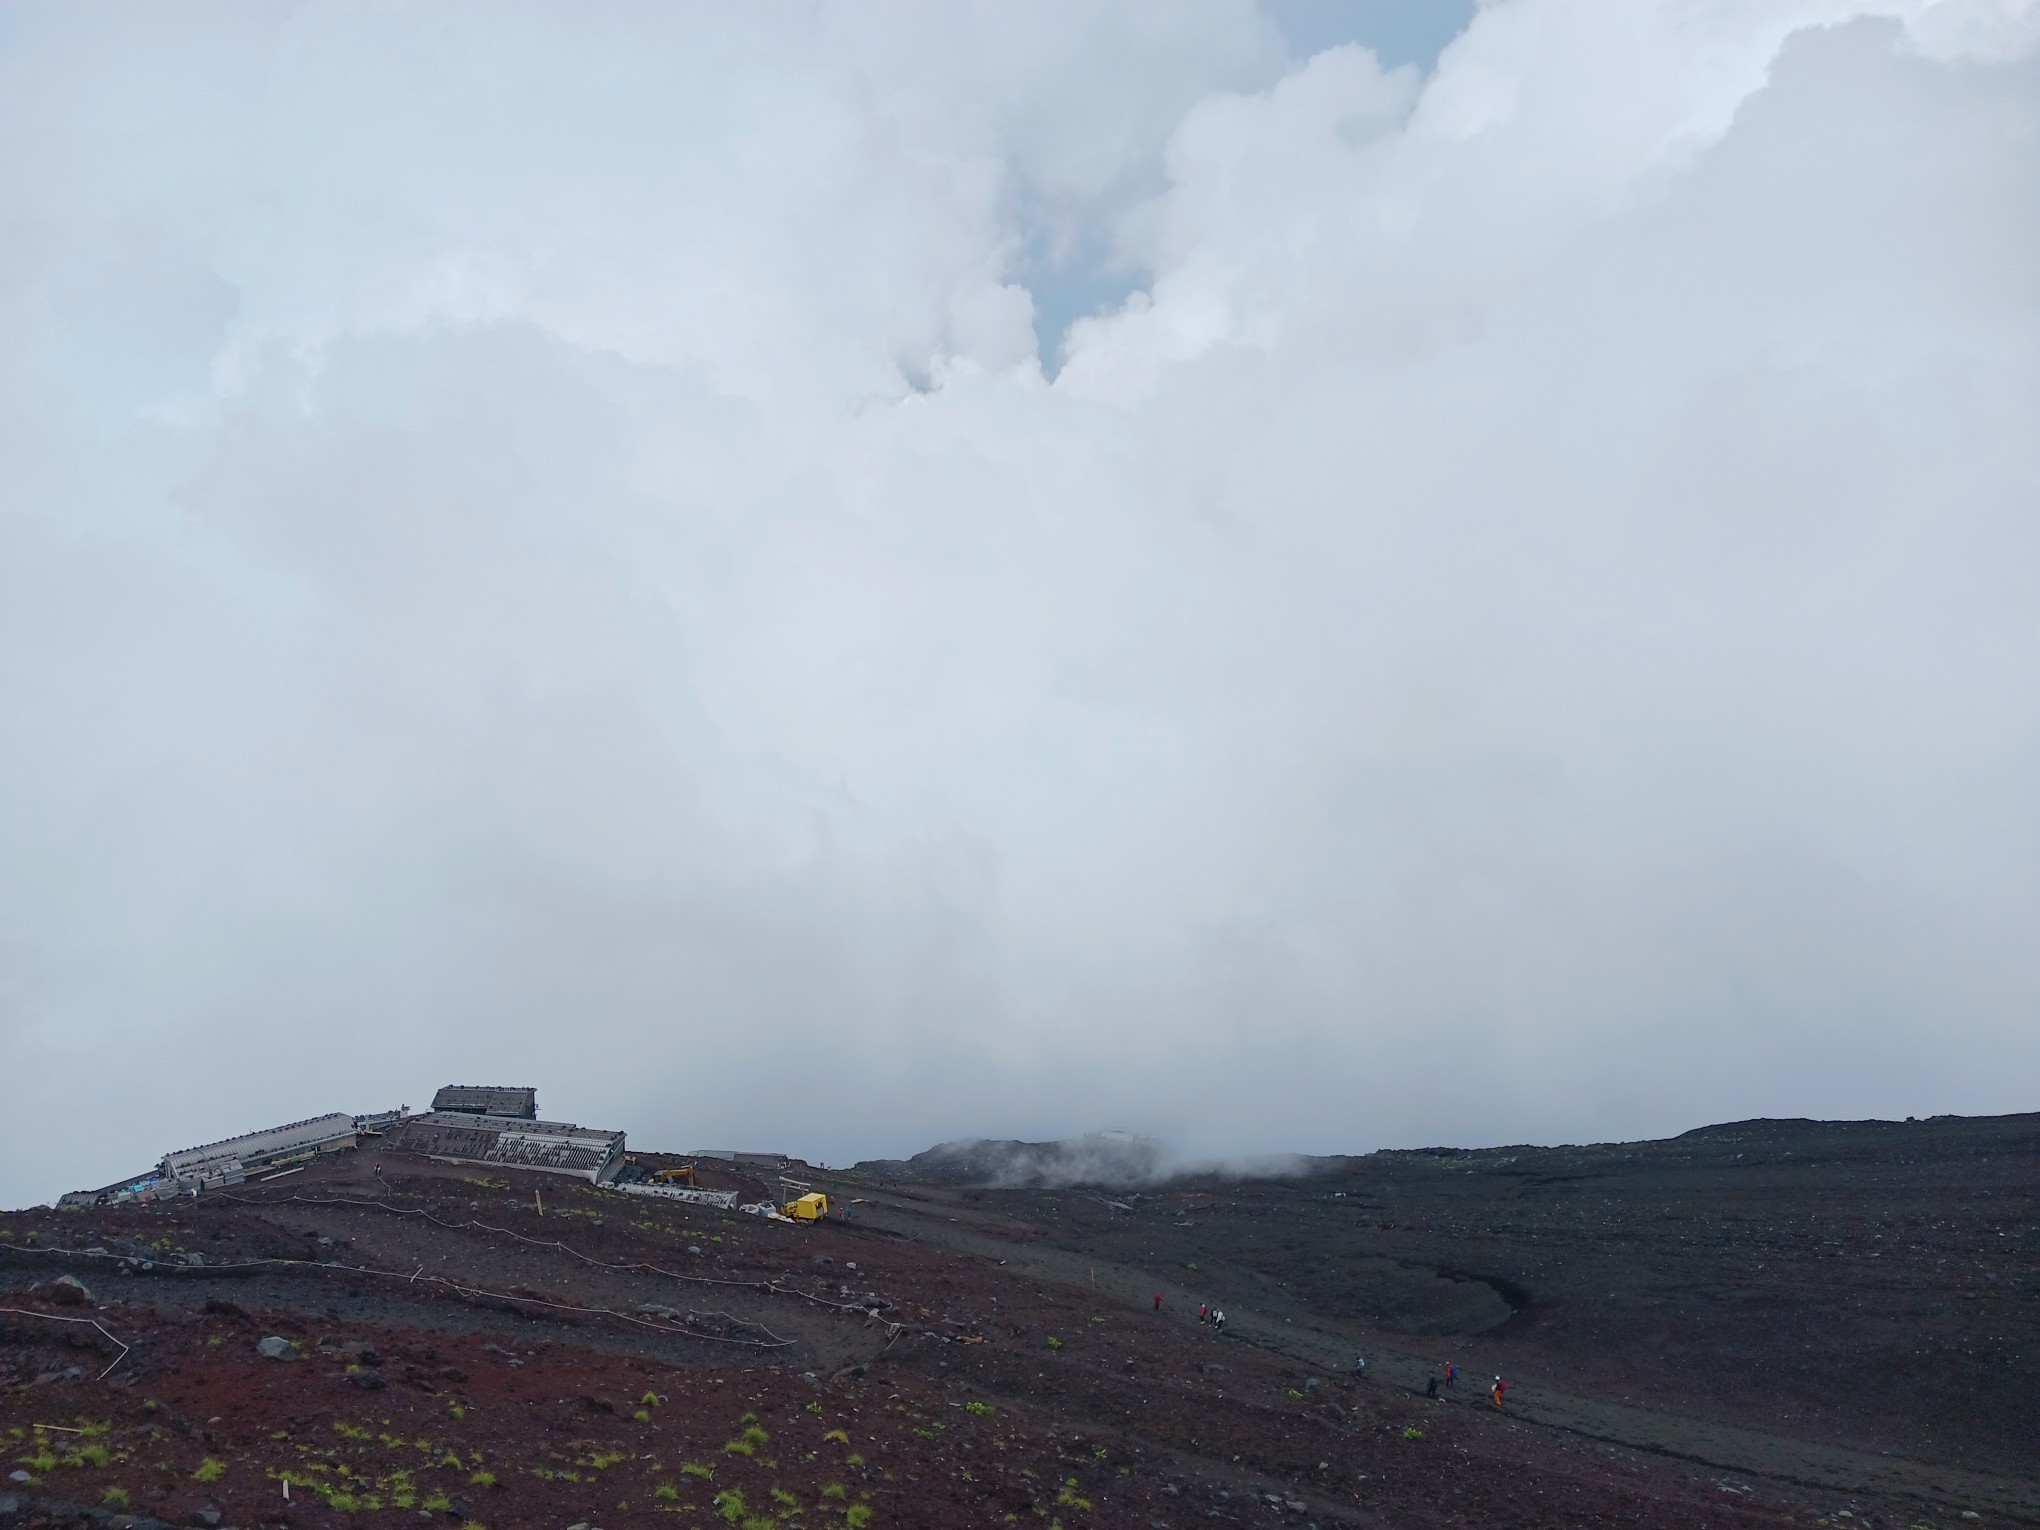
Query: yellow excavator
[(683, 1175), (806, 1205), (811, 1207)]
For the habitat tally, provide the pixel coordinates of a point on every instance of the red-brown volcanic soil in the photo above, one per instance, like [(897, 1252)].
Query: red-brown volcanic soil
[(1769, 1324)]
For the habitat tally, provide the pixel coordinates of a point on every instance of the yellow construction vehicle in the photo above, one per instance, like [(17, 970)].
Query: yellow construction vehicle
[(684, 1175), (808, 1208)]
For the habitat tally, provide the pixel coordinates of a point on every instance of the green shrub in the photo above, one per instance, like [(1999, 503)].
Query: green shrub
[(209, 1470)]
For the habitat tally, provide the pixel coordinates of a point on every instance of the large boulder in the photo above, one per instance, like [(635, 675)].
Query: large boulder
[(70, 1291), (274, 1348)]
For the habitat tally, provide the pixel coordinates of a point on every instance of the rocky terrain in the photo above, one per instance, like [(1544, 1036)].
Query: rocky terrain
[(1772, 1323)]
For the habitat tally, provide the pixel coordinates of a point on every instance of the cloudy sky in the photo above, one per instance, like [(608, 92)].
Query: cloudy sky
[(832, 577)]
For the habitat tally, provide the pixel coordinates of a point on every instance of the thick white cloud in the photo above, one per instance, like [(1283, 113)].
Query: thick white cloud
[(538, 544)]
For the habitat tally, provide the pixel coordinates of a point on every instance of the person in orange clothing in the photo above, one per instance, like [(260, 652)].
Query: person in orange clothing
[(1497, 1390)]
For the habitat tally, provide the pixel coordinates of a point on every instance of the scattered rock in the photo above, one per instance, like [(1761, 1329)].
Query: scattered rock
[(219, 1306), (821, 1261), (193, 1258), (274, 1348), (368, 1380), (70, 1291), (19, 1476), (653, 1309), (205, 1519), (694, 1249), (10, 1504), (599, 1404)]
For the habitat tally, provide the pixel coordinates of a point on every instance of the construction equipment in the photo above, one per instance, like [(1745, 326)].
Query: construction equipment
[(683, 1175), (807, 1208)]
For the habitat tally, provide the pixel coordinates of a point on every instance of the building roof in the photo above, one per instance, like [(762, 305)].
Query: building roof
[(255, 1145), (512, 1141), (488, 1100)]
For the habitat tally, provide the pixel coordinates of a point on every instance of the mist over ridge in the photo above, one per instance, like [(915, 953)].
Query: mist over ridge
[(832, 581)]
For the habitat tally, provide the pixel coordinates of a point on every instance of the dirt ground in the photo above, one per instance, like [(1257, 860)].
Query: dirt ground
[(1767, 1324)]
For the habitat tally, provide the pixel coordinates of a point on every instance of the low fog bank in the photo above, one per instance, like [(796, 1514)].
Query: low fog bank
[(1127, 1161), (1099, 1160)]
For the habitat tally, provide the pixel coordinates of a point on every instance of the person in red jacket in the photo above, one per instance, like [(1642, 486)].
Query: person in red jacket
[(1497, 1390), (1158, 1301)]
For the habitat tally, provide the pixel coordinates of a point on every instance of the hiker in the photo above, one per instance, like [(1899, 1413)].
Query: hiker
[(1359, 1365), (1204, 1312), (1218, 1321), (1158, 1301), (1431, 1387), (1451, 1374), (1497, 1390)]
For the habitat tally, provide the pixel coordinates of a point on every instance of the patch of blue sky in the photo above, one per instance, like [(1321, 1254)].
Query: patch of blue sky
[(1087, 276)]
